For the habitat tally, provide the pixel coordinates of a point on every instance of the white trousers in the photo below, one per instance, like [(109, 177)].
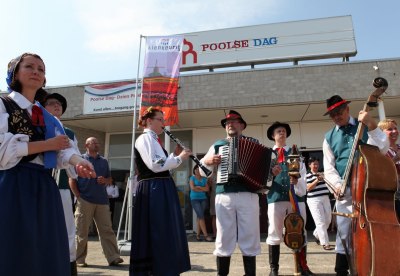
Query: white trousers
[(320, 208), (69, 221), (277, 212), (238, 221), (343, 234)]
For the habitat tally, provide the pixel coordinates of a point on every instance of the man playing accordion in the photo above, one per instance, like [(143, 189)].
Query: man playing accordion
[(236, 207)]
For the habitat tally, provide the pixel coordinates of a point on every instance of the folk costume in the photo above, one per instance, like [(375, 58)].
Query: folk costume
[(237, 216), (34, 238), (159, 243), (279, 206), (336, 149), (279, 202), (62, 178)]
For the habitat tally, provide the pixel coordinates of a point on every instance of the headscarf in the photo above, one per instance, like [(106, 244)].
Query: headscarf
[(12, 66)]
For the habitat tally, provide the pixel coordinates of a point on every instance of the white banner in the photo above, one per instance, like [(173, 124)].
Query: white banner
[(110, 97)]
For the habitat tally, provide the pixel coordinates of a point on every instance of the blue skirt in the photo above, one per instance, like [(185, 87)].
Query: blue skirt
[(33, 239), (159, 243)]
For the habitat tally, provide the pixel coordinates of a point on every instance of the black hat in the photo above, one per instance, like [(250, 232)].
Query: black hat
[(58, 97), (274, 126), (335, 102), (232, 115)]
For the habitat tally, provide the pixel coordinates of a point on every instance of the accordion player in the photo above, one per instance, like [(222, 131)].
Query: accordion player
[(244, 161)]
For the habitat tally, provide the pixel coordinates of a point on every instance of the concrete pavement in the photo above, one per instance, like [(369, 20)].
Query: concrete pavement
[(203, 261)]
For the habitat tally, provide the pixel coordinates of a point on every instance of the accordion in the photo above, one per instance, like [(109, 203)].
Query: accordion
[(244, 160)]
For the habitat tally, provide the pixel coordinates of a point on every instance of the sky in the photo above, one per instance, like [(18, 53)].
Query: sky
[(89, 41)]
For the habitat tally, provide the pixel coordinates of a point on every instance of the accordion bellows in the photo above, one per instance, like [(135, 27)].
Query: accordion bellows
[(245, 161)]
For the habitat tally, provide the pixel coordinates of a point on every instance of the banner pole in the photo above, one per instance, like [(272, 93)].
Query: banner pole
[(131, 179)]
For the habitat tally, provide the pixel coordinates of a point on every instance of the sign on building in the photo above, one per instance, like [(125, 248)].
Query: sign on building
[(110, 97), (270, 43)]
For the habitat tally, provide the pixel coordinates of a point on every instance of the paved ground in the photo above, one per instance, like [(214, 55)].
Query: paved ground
[(203, 262)]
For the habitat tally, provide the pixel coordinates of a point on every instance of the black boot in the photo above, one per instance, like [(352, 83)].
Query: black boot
[(342, 265), (74, 271), (273, 253), (249, 263), (223, 265)]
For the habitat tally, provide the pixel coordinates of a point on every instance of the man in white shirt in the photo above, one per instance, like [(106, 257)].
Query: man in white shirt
[(336, 148)]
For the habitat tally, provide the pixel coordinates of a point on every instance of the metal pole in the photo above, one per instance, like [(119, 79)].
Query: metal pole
[(128, 192)]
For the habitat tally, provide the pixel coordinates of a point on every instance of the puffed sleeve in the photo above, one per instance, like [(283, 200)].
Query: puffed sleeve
[(210, 152), (12, 147), (63, 156), (71, 172), (153, 155), (301, 187), (378, 138)]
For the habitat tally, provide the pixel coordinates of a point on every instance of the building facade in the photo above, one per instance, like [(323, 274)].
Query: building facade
[(293, 94)]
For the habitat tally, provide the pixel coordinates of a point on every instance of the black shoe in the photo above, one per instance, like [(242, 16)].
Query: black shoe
[(307, 273)]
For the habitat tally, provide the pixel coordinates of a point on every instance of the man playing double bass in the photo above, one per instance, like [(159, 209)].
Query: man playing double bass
[(336, 149)]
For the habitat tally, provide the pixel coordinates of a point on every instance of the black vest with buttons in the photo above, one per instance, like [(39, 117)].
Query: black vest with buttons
[(20, 122), (144, 171)]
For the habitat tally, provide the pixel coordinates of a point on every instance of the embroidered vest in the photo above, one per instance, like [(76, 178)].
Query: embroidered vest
[(341, 141), (281, 184), (144, 171), (20, 122)]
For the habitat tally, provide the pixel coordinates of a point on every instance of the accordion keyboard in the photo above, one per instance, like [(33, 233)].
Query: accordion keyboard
[(222, 174)]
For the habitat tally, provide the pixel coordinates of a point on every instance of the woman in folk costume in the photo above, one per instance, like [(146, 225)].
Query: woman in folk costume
[(34, 236), (278, 198), (159, 244)]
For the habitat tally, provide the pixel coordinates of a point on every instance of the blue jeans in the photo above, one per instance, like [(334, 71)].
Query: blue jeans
[(199, 206)]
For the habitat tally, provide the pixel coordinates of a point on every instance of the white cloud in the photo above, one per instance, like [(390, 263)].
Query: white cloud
[(114, 27)]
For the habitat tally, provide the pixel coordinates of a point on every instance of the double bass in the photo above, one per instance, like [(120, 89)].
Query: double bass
[(375, 228)]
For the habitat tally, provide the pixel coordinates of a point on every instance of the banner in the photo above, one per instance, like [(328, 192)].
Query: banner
[(110, 97), (161, 76)]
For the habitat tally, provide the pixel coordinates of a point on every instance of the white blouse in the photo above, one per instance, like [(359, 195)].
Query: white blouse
[(15, 146), (153, 154)]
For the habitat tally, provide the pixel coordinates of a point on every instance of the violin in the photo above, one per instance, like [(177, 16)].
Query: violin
[(294, 237)]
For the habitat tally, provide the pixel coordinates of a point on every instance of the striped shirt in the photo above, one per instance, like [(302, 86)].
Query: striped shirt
[(320, 190)]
